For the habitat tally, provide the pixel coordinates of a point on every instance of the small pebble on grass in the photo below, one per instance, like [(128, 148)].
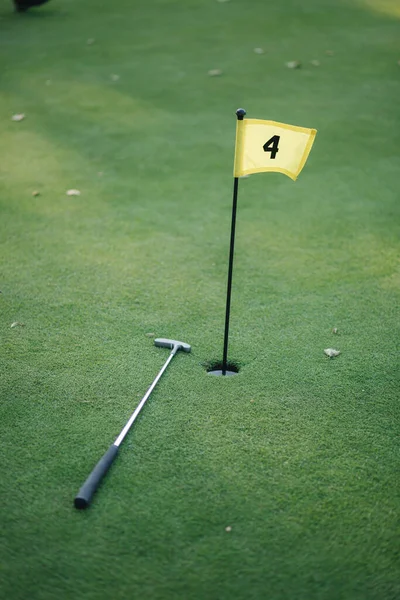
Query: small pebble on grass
[(331, 352), (215, 72), (293, 64)]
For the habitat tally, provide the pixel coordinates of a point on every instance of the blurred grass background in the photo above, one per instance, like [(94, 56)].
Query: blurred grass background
[(298, 454)]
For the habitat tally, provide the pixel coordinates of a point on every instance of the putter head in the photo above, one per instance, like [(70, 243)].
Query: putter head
[(164, 343)]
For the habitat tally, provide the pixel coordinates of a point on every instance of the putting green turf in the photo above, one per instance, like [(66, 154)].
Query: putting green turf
[(298, 453)]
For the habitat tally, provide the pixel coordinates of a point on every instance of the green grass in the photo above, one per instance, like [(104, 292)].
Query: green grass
[(298, 454)]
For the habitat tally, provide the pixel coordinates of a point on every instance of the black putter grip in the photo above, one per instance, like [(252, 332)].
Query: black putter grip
[(86, 493)]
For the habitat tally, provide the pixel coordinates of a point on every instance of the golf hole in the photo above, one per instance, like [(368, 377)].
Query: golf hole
[(215, 368)]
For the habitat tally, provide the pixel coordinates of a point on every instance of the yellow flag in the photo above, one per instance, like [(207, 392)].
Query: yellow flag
[(270, 146)]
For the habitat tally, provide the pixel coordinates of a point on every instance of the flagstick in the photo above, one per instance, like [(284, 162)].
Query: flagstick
[(240, 114), (230, 270)]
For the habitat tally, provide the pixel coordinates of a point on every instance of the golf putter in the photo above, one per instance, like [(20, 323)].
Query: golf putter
[(87, 491)]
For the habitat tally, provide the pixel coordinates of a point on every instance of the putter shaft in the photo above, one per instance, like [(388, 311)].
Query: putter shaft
[(139, 407)]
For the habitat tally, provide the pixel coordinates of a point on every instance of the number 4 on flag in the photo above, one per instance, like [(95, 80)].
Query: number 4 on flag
[(272, 145)]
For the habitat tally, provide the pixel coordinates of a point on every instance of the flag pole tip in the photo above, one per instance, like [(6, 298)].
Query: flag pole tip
[(240, 113)]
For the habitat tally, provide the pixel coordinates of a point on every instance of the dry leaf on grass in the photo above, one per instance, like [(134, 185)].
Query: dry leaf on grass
[(150, 334), (215, 72), (329, 52), (331, 352), (18, 117), (315, 63), (35, 193), (293, 64), (17, 324), (73, 193)]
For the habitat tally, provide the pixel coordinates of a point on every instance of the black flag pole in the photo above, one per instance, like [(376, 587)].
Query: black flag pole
[(240, 113), (230, 271)]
